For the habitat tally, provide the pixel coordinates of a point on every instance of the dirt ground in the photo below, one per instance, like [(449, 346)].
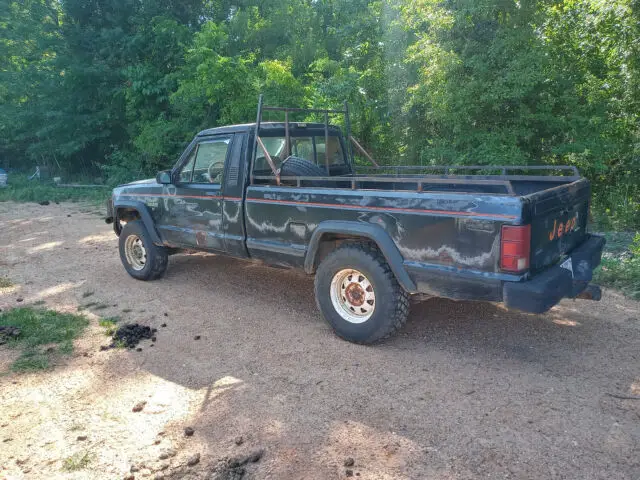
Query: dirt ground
[(464, 391)]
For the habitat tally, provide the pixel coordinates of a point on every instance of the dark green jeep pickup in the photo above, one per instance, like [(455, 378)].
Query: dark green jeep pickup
[(289, 194)]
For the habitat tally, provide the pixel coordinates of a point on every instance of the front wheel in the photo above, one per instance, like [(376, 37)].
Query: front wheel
[(358, 294), (141, 258)]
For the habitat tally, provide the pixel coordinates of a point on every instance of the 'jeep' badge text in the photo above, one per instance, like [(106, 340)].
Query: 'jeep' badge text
[(560, 229)]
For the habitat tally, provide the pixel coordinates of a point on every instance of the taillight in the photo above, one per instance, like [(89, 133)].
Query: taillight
[(515, 248)]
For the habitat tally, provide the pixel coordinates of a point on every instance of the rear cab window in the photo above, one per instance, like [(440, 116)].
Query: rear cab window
[(309, 147)]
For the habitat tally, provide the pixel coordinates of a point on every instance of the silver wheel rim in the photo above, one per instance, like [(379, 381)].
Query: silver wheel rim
[(135, 252), (353, 296)]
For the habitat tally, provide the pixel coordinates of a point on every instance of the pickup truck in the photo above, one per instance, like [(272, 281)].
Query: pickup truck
[(290, 194)]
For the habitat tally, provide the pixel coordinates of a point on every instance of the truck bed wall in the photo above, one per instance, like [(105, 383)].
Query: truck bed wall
[(443, 230)]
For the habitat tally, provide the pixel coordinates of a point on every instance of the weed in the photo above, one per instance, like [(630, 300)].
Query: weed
[(621, 266), (39, 303), (109, 324), (99, 306), (126, 310), (41, 327), (5, 282), (88, 293), (77, 461)]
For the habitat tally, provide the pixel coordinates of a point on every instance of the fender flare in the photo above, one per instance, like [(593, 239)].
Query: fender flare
[(372, 232), (145, 216)]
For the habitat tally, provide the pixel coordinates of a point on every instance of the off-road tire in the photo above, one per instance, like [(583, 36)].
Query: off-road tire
[(391, 301), (157, 257)]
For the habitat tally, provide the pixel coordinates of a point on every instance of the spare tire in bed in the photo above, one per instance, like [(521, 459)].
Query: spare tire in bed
[(299, 167)]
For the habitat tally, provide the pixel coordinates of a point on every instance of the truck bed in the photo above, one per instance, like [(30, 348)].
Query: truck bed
[(454, 214)]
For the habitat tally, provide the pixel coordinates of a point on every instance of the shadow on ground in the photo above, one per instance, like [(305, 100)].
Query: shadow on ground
[(465, 390)]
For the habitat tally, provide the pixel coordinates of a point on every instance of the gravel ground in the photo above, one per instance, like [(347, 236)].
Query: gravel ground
[(464, 391)]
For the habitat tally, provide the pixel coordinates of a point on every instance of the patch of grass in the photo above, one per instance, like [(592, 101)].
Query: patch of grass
[(621, 264), (77, 461), (20, 189), (5, 282), (39, 328), (39, 303), (31, 360), (110, 325), (88, 293)]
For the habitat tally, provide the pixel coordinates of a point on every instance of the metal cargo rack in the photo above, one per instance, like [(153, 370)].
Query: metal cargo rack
[(400, 174)]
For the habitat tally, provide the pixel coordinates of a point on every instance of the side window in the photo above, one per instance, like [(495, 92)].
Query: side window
[(185, 173), (210, 159)]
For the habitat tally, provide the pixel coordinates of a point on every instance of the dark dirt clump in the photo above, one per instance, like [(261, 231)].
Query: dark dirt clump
[(131, 334), (234, 468)]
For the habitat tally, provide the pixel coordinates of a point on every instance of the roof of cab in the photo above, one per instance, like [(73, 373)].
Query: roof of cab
[(249, 127)]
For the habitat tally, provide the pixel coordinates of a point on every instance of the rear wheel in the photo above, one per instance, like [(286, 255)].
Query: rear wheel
[(141, 258), (358, 294)]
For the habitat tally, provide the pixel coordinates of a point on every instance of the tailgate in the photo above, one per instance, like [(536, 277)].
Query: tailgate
[(558, 221)]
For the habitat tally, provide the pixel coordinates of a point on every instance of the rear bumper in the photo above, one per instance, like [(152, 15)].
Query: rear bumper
[(546, 289)]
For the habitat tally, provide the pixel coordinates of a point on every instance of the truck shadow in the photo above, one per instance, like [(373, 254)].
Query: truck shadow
[(461, 327)]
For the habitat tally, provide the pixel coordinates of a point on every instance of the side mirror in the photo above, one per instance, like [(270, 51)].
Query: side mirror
[(164, 177)]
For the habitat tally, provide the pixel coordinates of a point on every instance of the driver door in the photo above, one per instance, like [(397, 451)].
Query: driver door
[(194, 212)]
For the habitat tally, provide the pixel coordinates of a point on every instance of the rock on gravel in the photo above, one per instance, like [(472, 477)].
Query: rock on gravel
[(349, 462), (138, 406), (193, 460), (188, 432)]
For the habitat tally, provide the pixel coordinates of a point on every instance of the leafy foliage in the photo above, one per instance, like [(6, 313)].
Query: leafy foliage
[(117, 88)]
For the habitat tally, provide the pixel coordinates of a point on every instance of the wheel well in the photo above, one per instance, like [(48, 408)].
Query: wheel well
[(128, 214), (125, 214), (331, 241)]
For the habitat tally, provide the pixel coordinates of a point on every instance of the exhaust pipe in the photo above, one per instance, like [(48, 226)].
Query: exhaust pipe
[(592, 292)]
